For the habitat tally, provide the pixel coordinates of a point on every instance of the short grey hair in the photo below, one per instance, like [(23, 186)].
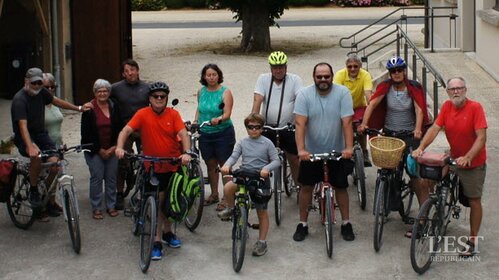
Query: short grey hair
[(455, 78), (101, 83), (49, 77), (353, 57)]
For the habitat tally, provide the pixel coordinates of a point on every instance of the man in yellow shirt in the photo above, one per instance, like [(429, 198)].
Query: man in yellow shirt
[(360, 84)]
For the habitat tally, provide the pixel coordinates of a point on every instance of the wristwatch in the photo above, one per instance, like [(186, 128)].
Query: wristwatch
[(79, 108), (187, 152)]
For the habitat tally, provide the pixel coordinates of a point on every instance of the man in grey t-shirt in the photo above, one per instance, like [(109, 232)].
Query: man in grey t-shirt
[(323, 118)]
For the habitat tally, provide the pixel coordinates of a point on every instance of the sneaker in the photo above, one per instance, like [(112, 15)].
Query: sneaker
[(34, 197), (171, 240), (347, 232), (157, 251), (120, 202), (260, 248), (52, 210), (300, 233), (225, 214)]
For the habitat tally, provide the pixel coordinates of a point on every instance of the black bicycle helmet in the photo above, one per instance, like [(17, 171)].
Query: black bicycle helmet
[(158, 86), (395, 62)]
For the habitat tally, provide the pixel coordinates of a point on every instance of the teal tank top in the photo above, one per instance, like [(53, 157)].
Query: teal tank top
[(208, 107)]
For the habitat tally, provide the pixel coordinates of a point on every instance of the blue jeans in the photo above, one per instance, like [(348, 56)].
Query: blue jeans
[(102, 170)]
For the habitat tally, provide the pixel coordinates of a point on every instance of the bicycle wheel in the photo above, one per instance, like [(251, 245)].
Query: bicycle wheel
[(196, 212), (379, 214), (407, 197), (328, 220), (147, 232), (287, 177), (359, 178), (239, 236), (18, 206), (277, 195), (424, 241), (72, 218), (136, 202), (131, 175)]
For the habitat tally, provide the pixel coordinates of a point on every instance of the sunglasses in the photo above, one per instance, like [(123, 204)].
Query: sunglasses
[(352, 66), (37, 83), (253, 127), (396, 70), (159, 96), (325, 77), (51, 87)]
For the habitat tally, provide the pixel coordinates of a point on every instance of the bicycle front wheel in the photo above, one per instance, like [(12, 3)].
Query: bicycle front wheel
[(407, 197), (359, 177), (424, 241), (379, 214), (287, 177), (147, 229), (72, 218), (196, 212), (239, 236), (277, 196), (130, 177), (328, 220), (20, 211)]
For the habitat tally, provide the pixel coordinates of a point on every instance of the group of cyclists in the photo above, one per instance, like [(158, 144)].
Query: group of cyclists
[(323, 114)]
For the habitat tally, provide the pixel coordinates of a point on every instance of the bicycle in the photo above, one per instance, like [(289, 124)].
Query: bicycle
[(324, 196), (358, 174), (434, 216), (144, 205), (23, 214), (282, 176), (392, 192)]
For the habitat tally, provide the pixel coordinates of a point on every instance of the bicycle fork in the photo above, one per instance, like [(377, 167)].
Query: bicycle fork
[(66, 182)]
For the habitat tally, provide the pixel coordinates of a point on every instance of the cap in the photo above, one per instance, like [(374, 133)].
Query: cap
[(34, 74)]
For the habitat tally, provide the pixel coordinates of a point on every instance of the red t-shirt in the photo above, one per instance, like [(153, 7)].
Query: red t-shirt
[(460, 125), (158, 134)]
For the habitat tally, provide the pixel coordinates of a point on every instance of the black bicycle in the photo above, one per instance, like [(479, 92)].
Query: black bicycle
[(358, 173)]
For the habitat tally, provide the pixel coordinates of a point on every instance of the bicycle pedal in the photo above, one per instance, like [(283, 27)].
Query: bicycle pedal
[(313, 208), (408, 220), (127, 212), (255, 226)]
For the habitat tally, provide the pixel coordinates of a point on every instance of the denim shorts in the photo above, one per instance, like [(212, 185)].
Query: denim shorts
[(217, 145), (42, 140)]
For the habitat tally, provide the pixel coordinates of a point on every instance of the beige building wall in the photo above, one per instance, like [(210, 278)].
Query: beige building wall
[(444, 35), (487, 37)]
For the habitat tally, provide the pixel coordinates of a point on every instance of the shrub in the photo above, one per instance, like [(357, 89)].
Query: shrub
[(318, 2), (175, 4), (148, 5), (364, 3), (297, 2), (196, 3)]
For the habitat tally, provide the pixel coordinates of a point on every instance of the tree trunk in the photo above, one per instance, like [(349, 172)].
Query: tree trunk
[(256, 30)]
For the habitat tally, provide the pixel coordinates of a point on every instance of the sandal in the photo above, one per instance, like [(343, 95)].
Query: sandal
[(98, 215), (221, 206), (211, 200), (408, 234), (470, 252), (112, 212)]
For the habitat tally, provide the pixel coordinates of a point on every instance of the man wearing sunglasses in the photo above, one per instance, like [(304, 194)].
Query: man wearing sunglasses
[(360, 84), (323, 116), (28, 123)]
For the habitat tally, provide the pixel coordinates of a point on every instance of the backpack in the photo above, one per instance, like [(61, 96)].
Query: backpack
[(181, 193), (7, 178)]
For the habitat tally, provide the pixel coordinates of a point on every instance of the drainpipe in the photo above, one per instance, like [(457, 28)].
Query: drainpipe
[(55, 48)]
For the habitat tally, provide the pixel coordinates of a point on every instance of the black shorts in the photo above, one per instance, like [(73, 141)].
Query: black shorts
[(217, 145), (164, 179), (42, 140), (311, 172), (286, 140)]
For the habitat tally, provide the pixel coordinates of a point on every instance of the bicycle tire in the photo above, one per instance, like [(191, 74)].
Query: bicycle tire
[(277, 196), (328, 220), (379, 214), (239, 236), (147, 232), (407, 198), (193, 218), (359, 177), (137, 203), (423, 231), (287, 177), (72, 218), (20, 211), (130, 177)]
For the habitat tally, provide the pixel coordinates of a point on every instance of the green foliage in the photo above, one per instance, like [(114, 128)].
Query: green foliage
[(298, 2), (148, 5), (196, 3), (318, 2), (175, 4), (274, 7)]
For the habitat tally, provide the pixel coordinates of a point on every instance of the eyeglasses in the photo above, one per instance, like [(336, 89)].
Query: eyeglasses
[(456, 89), (51, 87), (396, 70), (352, 66), (159, 96), (37, 83), (253, 127), (325, 77)]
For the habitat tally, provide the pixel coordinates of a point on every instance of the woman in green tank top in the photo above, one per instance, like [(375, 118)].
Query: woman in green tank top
[(218, 139)]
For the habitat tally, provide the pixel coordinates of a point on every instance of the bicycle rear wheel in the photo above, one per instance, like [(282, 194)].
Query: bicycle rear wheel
[(407, 197), (287, 177), (147, 224), (379, 214), (277, 195), (131, 176), (359, 178), (20, 211), (239, 236), (328, 220), (72, 218), (196, 212), (424, 241)]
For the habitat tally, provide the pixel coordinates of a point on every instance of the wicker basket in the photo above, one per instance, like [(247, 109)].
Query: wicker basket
[(386, 152)]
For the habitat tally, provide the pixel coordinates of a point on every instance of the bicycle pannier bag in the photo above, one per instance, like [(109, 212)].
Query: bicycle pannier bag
[(181, 193), (7, 178), (433, 166)]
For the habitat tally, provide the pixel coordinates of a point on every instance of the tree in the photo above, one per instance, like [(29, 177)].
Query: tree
[(256, 16)]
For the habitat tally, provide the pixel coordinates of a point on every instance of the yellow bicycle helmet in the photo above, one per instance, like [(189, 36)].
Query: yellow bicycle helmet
[(278, 58)]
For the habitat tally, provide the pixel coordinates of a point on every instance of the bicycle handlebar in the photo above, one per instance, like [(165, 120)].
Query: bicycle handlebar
[(288, 127), (172, 160), (333, 155), (401, 133), (193, 127), (64, 150)]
